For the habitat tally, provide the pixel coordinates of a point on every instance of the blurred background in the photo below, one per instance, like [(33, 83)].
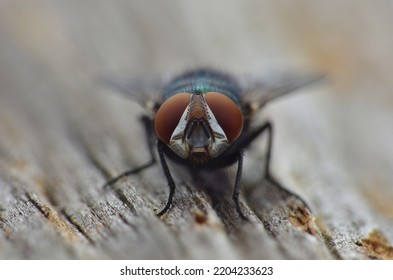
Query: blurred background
[(333, 142)]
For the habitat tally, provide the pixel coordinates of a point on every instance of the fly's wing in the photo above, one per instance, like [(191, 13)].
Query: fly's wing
[(146, 92), (259, 91)]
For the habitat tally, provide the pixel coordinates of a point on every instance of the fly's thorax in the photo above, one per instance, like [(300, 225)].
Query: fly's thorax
[(198, 126)]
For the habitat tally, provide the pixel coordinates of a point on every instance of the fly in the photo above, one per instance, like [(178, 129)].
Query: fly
[(201, 119)]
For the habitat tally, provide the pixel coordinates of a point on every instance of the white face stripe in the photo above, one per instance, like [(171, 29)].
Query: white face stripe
[(176, 142), (218, 143)]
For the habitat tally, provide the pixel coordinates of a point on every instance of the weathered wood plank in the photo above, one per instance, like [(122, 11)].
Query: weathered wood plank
[(62, 135)]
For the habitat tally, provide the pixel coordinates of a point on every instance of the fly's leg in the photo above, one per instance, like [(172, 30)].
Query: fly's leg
[(269, 130), (168, 176), (148, 126), (136, 170), (268, 127), (249, 138), (244, 143), (240, 146), (236, 190)]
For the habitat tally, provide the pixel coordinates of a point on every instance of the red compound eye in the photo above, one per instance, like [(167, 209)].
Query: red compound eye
[(227, 113), (169, 114)]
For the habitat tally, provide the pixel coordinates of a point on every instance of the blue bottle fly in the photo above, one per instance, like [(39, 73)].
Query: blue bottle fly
[(202, 118)]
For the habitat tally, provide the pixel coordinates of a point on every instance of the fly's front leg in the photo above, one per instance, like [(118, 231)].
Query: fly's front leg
[(168, 176), (269, 130), (247, 140), (237, 188), (149, 134), (268, 127)]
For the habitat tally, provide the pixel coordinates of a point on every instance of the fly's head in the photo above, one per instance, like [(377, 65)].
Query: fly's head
[(198, 126)]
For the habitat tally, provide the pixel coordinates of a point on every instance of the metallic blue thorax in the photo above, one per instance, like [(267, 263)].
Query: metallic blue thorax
[(202, 81)]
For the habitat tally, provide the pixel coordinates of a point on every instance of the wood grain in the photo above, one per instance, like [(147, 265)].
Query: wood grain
[(63, 135)]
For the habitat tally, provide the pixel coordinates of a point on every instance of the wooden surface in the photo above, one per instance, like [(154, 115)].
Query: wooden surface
[(62, 135)]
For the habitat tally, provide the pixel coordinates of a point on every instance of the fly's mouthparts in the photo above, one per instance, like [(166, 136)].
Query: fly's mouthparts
[(199, 156)]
